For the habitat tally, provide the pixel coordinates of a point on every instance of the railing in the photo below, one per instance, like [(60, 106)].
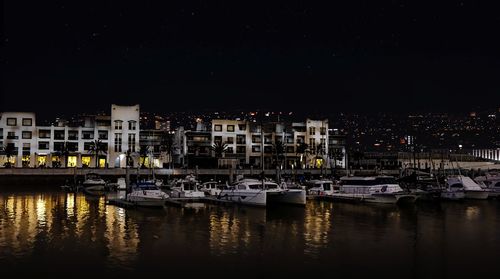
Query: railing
[(12, 137)]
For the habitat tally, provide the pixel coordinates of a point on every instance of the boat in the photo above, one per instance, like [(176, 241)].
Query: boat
[(471, 189), (186, 188), (319, 187), (261, 193), (490, 182), (147, 194), (211, 188), (93, 182), (453, 191), (374, 189)]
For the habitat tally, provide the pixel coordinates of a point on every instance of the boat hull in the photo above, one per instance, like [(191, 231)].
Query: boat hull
[(245, 197), (452, 196), (147, 202), (94, 187), (291, 196), (476, 195)]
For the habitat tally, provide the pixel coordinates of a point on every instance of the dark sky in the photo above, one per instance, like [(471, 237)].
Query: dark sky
[(71, 56)]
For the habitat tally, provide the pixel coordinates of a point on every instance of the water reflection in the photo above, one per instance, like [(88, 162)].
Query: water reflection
[(73, 230)]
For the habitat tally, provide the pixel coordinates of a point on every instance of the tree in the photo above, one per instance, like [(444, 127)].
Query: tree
[(303, 151), (167, 146), (219, 149), (337, 155), (63, 152), (97, 147), (143, 153), (8, 150), (279, 151)]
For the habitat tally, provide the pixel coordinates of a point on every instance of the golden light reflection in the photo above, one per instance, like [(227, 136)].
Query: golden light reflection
[(317, 225), (26, 222)]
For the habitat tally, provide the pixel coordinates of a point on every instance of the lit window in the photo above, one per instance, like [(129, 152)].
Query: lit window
[(71, 161), (26, 135), (230, 128), (27, 122), (218, 128), (11, 122)]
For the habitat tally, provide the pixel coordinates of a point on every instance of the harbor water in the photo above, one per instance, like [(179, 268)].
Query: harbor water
[(66, 235)]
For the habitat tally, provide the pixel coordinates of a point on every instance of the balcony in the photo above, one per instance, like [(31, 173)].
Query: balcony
[(12, 137)]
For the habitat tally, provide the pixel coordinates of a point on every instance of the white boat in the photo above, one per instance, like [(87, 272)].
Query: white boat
[(490, 182), (319, 187), (373, 189), (471, 189), (211, 188), (119, 185), (147, 194), (261, 193), (93, 182), (186, 188)]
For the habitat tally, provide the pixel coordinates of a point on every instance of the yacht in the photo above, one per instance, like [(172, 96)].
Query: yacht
[(454, 191), (147, 194), (211, 188), (186, 188), (260, 193), (93, 182), (319, 187), (490, 182), (374, 189), (471, 189)]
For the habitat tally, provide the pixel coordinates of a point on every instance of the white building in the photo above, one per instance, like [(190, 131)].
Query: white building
[(245, 140), (63, 145)]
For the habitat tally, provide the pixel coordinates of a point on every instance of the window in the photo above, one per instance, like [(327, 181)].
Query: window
[(312, 145), (118, 124), (43, 145), (230, 128), (59, 134), (322, 131), (72, 146), (242, 127), (229, 150), (88, 135), (27, 122), (301, 139), (72, 135), (131, 142), (218, 128), (290, 149), (26, 135), (11, 121), (44, 134), (11, 135), (268, 139), (241, 149), (26, 146), (1, 133), (58, 146), (240, 139), (256, 139), (218, 139), (103, 135), (230, 140), (268, 149), (255, 148), (118, 142), (312, 131), (132, 125)]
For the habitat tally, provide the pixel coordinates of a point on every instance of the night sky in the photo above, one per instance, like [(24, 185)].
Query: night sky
[(74, 56)]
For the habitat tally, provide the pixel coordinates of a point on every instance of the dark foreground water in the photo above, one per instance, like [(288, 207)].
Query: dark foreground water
[(63, 235)]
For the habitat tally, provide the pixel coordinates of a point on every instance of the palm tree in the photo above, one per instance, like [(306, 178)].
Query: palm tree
[(64, 152), (9, 150), (143, 153), (303, 151), (167, 146), (279, 150), (337, 155), (97, 148), (219, 149)]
